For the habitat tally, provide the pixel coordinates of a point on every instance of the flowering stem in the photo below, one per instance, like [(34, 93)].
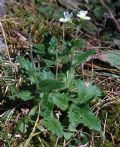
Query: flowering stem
[(77, 31), (57, 65), (79, 26), (63, 32)]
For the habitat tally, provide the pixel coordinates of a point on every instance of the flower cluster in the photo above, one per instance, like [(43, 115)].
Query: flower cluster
[(68, 16)]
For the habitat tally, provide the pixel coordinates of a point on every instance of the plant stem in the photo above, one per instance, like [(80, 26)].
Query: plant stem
[(63, 32), (77, 31), (31, 51), (92, 71), (56, 144), (33, 131)]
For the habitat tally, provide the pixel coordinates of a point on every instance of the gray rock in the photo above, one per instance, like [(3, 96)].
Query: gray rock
[(2, 44), (70, 4), (2, 8)]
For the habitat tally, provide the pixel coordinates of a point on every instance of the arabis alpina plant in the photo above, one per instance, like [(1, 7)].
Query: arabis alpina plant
[(82, 14), (67, 17)]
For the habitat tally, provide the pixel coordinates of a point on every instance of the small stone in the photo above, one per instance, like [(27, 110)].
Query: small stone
[(2, 8), (2, 44)]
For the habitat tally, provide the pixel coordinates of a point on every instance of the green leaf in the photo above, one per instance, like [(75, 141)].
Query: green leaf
[(24, 95), (86, 92), (49, 62), (60, 100), (82, 57), (111, 57), (24, 63), (53, 125), (45, 75), (33, 111), (23, 127), (39, 49), (66, 51), (68, 135), (13, 89), (79, 43), (33, 76), (53, 46), (69, 79), (83, 115), (49, 85), (46, 108)]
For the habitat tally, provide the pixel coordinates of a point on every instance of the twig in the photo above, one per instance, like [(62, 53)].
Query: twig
[(56, 144), (3, 33), (8, 19), (41, 142), (112, 139), (104, 128), (33, 131), (64, 143), (73, 137)]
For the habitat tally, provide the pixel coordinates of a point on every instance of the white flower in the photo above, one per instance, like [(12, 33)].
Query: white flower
[(82, 14), (86, 1), (87, 84), (67, 17)]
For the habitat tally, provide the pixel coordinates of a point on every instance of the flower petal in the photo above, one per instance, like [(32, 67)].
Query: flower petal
[(83, 13), (71, 15), (62, 20), (87, 18), (78, 15), (66, 14)]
